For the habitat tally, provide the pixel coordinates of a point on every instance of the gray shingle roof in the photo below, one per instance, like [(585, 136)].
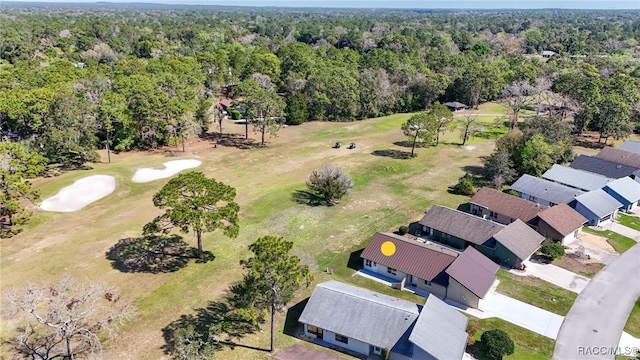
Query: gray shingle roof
[(620, 156), (425, 261), (545, 189), (360, 314), (440, 330), (520, 239), (627, 188), (630, 145), (460, 224), (599, 202), (474, 271), (602, 167), (574, 178)]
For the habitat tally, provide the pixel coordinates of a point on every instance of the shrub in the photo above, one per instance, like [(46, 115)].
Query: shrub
[(235, 114), (552, 249), (496, 343), (329, 183), (385, 354), (465, 186), (403, 229)]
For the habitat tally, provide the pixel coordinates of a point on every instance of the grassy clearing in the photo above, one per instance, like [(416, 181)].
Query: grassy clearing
[(619, 242), (629, 221), (528, 345), (388, 193), (536, 292), (633, 323)]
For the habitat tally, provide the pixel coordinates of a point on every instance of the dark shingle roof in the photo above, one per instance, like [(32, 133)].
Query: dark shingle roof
[(507, 205), (360, 314), (474, 271), (630, 145), (563, 219), (520, 239), (620, 156), (440, 330), (413, 257), (545, 189), (579, 179), (602, 167), (460, 224)]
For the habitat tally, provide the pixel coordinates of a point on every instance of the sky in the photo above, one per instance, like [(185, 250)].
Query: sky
[(433, 4)]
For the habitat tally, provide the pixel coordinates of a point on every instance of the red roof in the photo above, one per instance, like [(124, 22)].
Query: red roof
[(507, 205), (474, 271), (563, 219), (413, 257)]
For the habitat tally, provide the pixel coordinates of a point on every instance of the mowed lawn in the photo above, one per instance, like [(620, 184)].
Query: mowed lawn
[(388, 193)]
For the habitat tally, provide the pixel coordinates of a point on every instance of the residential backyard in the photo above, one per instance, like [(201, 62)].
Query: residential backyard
[(536, 292)]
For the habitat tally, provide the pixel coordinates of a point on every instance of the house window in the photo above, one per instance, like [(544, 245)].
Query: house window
[(369, 263), (493, 215), (531, 198), (342, 339), (391, 271), (427, 283), (314, 331), (445, 236)]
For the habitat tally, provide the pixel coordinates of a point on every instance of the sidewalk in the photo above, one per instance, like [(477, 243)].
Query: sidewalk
[(555, 275), (619, 228)]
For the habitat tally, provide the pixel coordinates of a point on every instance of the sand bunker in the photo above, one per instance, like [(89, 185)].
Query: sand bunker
[(171, 168), (80, 194)]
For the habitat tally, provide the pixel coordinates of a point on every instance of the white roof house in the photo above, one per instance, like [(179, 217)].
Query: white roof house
[(626, 191)]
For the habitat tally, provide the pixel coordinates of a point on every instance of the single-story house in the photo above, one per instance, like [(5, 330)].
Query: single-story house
[(544, 192), (630, 145), (367, 322), (620, 156), (548, 53), (560, 223), (602, 167), (425, 266), (504, 208), (455, 106), (577, 179), (626, 191), (413, 263), (471, 276), (597, 206), (507, 245)]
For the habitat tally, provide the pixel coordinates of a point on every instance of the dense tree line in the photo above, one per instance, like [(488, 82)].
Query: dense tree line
[(77, 78)]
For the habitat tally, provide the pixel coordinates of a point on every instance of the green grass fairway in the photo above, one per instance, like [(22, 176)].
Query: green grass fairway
[(389, 192)]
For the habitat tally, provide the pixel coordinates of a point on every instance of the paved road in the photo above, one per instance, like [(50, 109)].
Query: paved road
[(595, 322)]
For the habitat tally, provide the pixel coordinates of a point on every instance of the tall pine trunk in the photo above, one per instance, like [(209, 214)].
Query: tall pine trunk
[(199, 236), (273, 319)]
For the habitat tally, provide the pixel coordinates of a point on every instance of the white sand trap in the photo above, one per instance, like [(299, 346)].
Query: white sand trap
[(171, 168), (470, 148), (80, 194)]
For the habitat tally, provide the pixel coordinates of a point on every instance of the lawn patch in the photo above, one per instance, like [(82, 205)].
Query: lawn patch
[(536, 292), (633, 323), (619, 242), (629, 221), (529, 345)]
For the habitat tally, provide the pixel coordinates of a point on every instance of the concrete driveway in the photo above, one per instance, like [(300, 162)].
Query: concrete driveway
[(555, 275), (598, 316), (516, 312), (621, 229)]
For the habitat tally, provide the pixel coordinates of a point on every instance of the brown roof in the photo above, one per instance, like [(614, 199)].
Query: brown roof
[(620, 156), (563, 219), (297, 352), (507, 205), (520, 239), (474, 271), (413, 257), (460, 224)]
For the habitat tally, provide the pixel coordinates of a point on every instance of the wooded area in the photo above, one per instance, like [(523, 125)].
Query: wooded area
[(77, 78)]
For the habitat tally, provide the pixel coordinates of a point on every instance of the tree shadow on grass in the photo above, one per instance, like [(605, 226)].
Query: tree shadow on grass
[(232, 140), (393, 153), (291, 325), (409, 144), (474, 170), (152, 254), (355, 261), (214, 326), (307, 198)]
